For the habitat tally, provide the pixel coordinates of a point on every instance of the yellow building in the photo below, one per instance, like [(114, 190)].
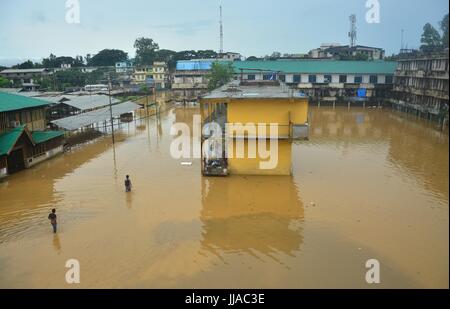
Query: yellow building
[(259, 120)]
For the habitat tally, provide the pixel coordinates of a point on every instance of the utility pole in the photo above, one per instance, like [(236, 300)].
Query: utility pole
[(147, 90), (110, 109), (155, 97)]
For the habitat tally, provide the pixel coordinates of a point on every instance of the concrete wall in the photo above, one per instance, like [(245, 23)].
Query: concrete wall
[(47, 155), (267, 111), (251, 166)]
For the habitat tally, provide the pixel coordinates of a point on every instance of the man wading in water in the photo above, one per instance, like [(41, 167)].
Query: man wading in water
[(128, 184), (52, 218)]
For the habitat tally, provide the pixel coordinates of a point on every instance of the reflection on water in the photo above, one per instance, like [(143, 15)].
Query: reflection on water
[(27, 197), (56, 243), (129, 199), (369, 184), (251, 215), (411, 144)]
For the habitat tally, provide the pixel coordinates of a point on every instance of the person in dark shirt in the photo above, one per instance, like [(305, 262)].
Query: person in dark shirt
[(52, 218), (128, 184)]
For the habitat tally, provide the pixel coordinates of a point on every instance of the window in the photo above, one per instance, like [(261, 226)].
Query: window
[(389, 79), (297, 79), (373, 79), (327, 78), (282, 78), (358, 79), (312, 78), (342, 78), (251, 77), (269, 77)]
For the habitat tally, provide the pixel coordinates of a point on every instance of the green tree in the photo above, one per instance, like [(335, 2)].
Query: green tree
[(108, 57), (24, 65), (186, 55), (167, 56), (431, 39), (87, 59), (49, 62), (444, 28), (252, 58), (145, 51), (55, 62), (221, 73), (206, 54), (4, 83)]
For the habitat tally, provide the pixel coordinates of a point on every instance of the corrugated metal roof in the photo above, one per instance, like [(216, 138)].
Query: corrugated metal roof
[(11, 102), (44, 136), (317, 67), (10, 71), (84, 102), (97, 116), (189, 65), (9, 139)]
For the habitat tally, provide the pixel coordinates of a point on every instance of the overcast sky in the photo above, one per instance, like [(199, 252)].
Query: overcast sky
[(34, 29)]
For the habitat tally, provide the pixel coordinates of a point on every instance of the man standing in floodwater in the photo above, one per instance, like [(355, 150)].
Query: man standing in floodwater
[(128, 184), (52, 218)]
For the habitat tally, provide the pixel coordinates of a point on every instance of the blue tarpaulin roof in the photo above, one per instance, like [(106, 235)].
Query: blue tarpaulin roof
[(194, 65)]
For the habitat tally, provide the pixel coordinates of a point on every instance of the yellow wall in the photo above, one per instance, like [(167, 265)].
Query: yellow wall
[(248, 166), (279, 111), (268, 111)]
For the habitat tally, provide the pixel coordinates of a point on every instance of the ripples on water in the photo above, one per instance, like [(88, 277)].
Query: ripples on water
[(369, 183)]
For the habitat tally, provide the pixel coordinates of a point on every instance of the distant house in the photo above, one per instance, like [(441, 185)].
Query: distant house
[(156, 75), (70, 105), (88, 69), (160, 75), (335, 51), (27, 78), (323, 78), (230, 56), (142, 74), (124, 66), (24, 140), (190, 78)]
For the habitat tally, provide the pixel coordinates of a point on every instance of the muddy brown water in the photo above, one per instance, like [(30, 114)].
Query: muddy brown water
[(370, 184)]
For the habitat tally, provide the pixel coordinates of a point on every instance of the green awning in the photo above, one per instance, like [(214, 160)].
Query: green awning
[(9, 139)]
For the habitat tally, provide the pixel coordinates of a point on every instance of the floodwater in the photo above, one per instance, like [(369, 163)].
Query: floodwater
[(370, 184)]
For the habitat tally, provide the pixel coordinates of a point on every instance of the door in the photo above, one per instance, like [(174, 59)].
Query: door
[(16, 161)]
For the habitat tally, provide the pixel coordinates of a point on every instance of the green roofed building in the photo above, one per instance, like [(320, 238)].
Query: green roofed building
[(317, 67), (16, 110), (24, 140), (317, 78), (324, 79)]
